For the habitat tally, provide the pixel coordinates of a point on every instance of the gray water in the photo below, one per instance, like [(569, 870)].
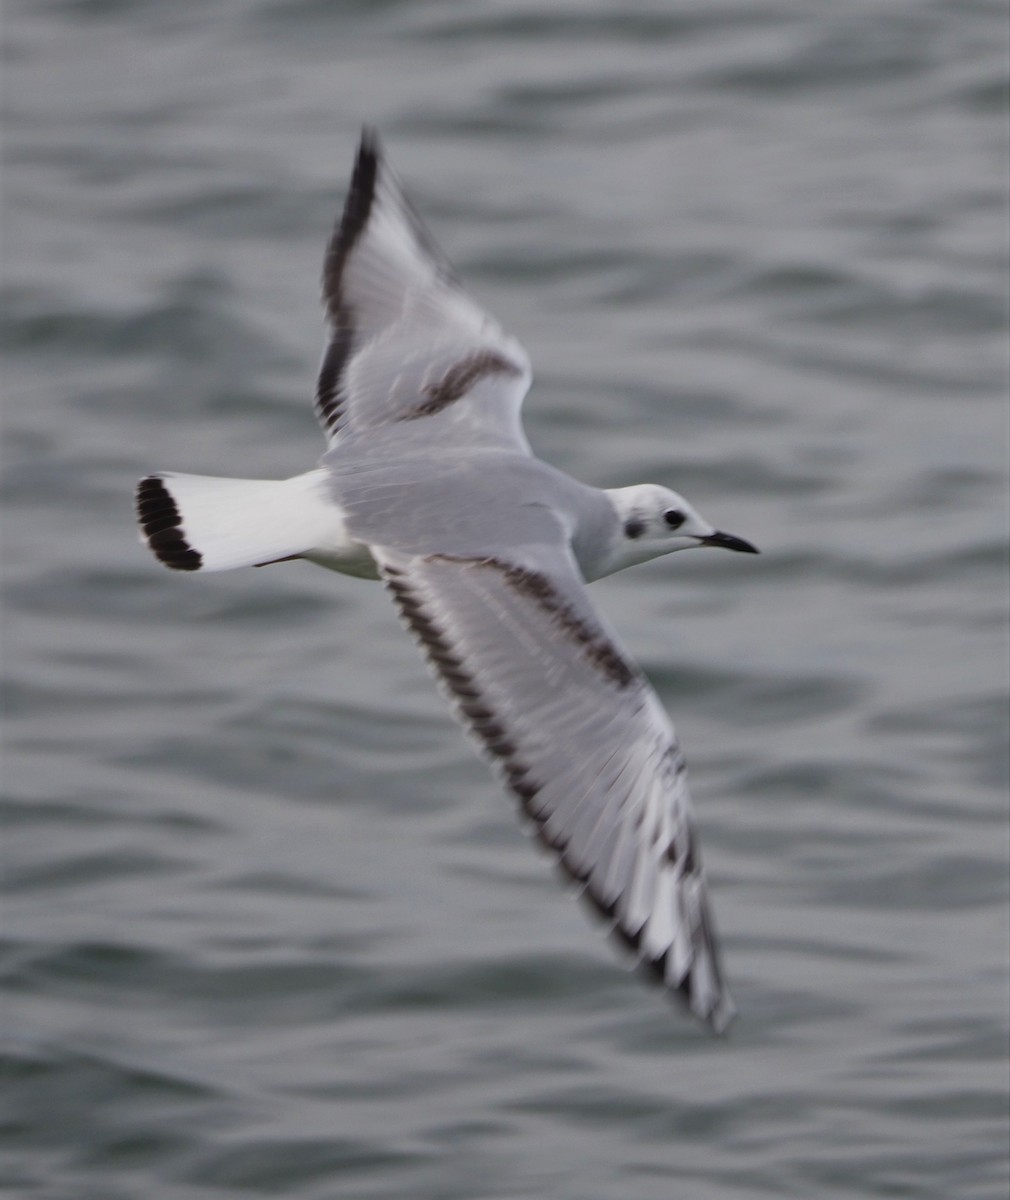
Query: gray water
[(270, 928)]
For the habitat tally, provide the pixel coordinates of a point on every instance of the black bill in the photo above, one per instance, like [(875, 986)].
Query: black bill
[(728, 542)]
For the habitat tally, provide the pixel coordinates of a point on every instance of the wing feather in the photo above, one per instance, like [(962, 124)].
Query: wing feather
[(406, 341), (579, 737)]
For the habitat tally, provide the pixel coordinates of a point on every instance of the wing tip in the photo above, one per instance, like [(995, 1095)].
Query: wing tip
[(356, 211), (369, 144), (699, 990), (366, 168), (713, 1008), (346, 232)]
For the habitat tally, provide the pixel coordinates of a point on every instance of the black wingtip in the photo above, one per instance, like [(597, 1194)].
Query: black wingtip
[(160, 521), (369, 143), (362, 190), (353, 220), (366, 168)]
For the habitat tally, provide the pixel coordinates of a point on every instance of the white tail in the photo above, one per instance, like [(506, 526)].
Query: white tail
[(204, 523)]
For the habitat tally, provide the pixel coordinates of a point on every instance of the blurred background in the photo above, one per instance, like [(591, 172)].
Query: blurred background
[(270, 927)]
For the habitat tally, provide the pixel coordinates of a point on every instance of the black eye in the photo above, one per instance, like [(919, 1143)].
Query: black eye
[(634, 529), (673, 518)]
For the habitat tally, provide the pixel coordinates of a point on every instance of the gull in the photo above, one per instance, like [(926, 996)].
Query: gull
[(429, 484)]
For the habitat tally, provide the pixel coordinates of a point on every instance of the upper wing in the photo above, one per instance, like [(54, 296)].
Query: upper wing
[(405, 340), (580, 738)]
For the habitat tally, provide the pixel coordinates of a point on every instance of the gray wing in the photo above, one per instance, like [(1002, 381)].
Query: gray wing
[(406, 341), (579, 737)]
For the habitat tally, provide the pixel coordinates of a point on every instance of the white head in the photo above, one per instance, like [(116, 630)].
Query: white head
[(653, 520)]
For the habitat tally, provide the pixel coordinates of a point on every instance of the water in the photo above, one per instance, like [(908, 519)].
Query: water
[(270, 928)]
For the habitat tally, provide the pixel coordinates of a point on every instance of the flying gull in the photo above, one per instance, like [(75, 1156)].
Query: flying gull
[(428, 483)]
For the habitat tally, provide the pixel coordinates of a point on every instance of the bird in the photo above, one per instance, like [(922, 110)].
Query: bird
[(429, 484)]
